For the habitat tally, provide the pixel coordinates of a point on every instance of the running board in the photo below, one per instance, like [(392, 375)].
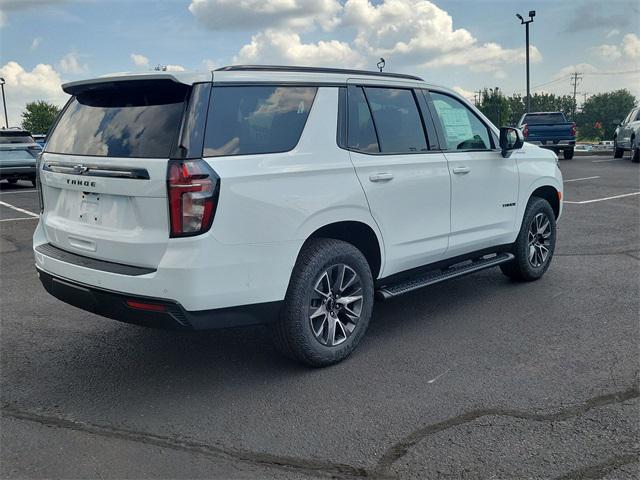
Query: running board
[(436, 276)]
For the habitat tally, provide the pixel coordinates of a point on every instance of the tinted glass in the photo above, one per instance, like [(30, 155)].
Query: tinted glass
[(397, 120), (252, 120), (16, 138), (140, 120), (637, 117), (461, 128), (360, 131), (544, 119)]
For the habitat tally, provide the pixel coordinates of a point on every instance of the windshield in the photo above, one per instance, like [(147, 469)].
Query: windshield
[(544, 118), (127, 119), (15, 138)]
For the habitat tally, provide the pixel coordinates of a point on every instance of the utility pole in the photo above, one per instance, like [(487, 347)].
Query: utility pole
[(4, 103), (575, 78), (532, 13), (479, 96)]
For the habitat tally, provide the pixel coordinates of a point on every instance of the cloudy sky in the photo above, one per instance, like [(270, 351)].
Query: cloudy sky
[(466, 44)]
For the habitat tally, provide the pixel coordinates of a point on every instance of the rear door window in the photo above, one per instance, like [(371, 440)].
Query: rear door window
[(126, 119), (397, 120), (544, 119), (361, 133), (246, 120)]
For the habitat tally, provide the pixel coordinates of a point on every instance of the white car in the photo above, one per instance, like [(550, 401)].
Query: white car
[(289, 196)]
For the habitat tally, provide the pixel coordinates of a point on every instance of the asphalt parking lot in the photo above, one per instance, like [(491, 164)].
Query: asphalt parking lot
[(475, 378)]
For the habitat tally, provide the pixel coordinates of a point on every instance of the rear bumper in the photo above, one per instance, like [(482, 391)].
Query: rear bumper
[(552, 145), (154, 312)]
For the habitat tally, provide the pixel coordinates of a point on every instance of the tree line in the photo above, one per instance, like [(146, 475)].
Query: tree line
[(596, 119)]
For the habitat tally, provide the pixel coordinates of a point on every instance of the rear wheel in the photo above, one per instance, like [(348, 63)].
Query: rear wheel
[(328, 304), (635, 151), (567, 154), (535, 244)]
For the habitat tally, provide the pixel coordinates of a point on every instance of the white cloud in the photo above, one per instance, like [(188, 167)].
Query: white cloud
[(22, 86), (613, 33), (250, 14), (70, 63), (468, 94), (631, 46), (139, 60), (173, 68), (3, 19), (35, 43), (286, 47), (13, 5), (608, 53), (410, 33)]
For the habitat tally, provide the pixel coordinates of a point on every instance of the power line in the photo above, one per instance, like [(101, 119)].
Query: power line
[(576, 78), (613, 73)]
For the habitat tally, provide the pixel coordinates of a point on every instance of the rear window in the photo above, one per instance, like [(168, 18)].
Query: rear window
[(15, 137), (249, 120), (544, 118), (135, 119)]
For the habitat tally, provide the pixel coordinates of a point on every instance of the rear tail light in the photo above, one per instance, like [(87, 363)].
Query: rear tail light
[(193, 196), (573, 129), (38, 184), (150, 307), (525, 130)]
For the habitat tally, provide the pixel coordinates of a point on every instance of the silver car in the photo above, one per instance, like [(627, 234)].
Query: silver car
[(18, 152), (627, 136)]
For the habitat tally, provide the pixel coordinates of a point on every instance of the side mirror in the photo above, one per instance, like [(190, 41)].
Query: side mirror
[(510, 139)]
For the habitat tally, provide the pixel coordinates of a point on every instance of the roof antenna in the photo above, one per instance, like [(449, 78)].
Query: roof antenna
[(381, 64)]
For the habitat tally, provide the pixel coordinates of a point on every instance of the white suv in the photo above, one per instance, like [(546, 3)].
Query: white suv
[(282, 195)]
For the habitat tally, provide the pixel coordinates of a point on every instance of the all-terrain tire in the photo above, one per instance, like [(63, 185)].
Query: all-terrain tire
[(567, 154), (293, 333), (522, 267)]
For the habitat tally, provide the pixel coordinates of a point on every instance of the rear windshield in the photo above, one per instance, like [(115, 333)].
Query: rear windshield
[(135, 119), (544, 118), (6, 137), (256, 119)]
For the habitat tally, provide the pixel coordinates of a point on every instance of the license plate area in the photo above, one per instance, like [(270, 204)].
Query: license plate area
[(90, 210)]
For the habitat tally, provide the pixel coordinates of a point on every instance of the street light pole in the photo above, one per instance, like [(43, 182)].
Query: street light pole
[(4, 103), (526, 23)]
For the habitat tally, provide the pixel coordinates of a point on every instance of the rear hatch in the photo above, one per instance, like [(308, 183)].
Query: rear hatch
[(104, 172)]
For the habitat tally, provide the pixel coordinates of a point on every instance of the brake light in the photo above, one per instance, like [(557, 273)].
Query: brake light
[(193, 194), (573, 129), (150, 307), (525, 130)]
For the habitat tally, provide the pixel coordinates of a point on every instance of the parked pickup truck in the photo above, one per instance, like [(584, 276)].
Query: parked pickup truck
[(549, 130)]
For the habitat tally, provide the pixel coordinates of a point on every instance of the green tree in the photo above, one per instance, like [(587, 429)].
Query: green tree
[(38, 117), (606, 111), (495, 106)]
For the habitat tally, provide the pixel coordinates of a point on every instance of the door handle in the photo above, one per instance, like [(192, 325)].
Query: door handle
[(459, 170), (381, 177)]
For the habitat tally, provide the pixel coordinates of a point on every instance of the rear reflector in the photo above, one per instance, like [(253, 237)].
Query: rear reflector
[(193, 193), (152, 307)]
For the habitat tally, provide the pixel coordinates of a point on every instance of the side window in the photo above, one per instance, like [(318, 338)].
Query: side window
[(360, 130), (249, 120), (637, 117), (397, 120), (461, 128)]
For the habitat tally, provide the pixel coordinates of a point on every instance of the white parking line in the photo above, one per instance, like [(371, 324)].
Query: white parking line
[(17, 191), (16, 219), (602, 199), (578, 179), (18, 209), (608, 160)]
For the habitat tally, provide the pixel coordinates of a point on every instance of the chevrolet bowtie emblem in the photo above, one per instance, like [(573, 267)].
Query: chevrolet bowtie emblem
[(80, 169)]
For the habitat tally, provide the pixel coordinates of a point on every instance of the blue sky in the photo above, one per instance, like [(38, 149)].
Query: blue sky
[(462, 43)]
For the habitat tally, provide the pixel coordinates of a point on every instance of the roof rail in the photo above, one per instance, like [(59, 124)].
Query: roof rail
[(284, 68)]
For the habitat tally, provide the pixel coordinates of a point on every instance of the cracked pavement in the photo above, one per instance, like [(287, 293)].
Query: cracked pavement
[(475, 378)]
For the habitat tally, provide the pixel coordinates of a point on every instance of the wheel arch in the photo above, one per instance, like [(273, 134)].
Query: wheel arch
[(360, 235), (551, 195)]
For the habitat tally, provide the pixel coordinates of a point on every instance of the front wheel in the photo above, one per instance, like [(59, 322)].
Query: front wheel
[(617, 152), (535, 244), (328, 304), (567, 153)]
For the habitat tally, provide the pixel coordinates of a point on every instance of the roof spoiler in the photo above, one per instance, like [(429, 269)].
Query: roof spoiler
[(82, 86)]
